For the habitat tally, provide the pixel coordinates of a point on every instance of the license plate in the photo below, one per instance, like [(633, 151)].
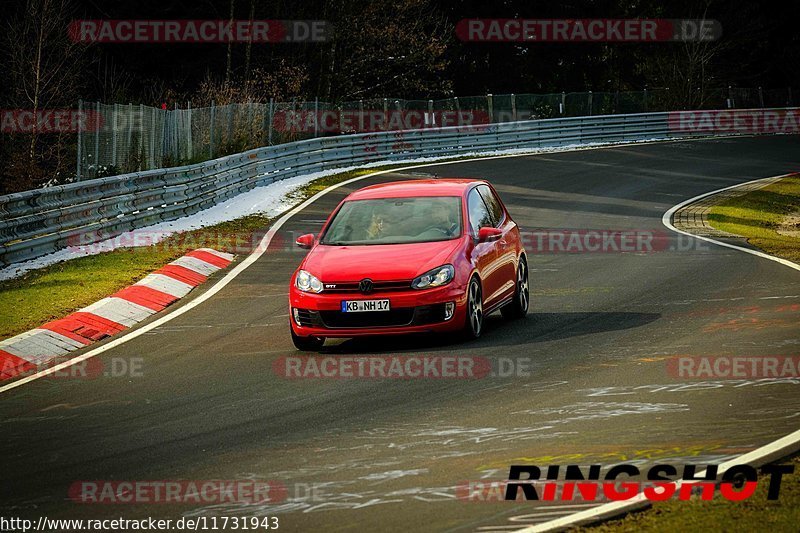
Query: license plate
[(363, 306)]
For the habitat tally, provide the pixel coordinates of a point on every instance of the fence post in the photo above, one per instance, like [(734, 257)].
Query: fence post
[(80, 130), (189, 147), (645, 100), (141, 139), (490, 107), (360, 116), (513, 107), (211, 131), (563, 102), (97, 139), (316, 116), (761, 97), (590, 103), (431, 118), (731, 103), (789, 92), (271, 119), (114, 136), (130, 132)]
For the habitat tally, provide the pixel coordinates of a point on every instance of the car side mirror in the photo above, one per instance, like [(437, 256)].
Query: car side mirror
[(305, 241), (488, 234)]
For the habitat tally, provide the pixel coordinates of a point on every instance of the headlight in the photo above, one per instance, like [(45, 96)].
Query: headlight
[(434, 278), (307, 283)]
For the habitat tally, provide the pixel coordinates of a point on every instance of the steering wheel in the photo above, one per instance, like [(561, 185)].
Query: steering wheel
[(445, 232)]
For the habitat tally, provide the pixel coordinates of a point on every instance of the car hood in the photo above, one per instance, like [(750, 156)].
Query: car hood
[(379, 262)]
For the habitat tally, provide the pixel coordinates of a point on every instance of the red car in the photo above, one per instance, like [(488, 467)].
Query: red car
[(433, 255)]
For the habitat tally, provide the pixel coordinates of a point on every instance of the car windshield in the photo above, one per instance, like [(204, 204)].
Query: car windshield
[(395, 221)]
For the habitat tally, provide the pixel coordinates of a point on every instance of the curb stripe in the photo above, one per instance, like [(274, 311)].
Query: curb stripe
[(165, 284), (202, 255), (197, 265), (57, 326), (145, 296), (181, 273), (118, 310), (11, 365), (223, 255)]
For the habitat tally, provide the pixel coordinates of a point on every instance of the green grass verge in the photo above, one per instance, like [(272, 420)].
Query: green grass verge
[(754, 514), (55, 291), (759, 214)]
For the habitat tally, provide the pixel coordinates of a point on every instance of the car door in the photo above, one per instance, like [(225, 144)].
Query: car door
[(506, 246), (485, 254)]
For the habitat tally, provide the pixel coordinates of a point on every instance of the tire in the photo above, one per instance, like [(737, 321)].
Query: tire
[(518, 307), (306, 344), (473, 324)]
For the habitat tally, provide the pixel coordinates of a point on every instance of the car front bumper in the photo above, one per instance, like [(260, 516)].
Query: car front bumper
[(410, 311)]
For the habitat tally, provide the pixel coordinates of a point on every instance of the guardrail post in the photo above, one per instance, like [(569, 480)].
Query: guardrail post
[(513, 107), (731, 103), (590, 103), (431, 118), (563, 105), (490, 107), (211, 131), (645, 100), (80, 130), (761, 97), (271, 119), (360, 115)]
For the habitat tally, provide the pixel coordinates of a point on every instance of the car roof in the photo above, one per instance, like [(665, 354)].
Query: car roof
[(408, 188)]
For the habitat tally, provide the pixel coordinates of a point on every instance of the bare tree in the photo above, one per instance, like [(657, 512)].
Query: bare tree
[(42, 70)]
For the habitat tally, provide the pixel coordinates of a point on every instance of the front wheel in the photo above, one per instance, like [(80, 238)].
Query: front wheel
[(474, 319), (518, 307), (306, 344)]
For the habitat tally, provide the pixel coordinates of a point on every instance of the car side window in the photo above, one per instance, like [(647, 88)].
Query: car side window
[(495, 208), (479, 215)]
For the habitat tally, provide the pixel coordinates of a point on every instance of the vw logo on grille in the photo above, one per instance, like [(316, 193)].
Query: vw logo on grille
[(365, 285)]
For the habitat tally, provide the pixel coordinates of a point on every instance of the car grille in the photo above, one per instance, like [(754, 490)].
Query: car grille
[(377, 286), (402, 316)]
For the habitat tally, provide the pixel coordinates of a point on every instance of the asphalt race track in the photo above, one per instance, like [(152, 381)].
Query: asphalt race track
[(390, 455)]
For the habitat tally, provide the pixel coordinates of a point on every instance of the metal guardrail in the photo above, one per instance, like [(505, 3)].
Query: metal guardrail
[(38, 222)]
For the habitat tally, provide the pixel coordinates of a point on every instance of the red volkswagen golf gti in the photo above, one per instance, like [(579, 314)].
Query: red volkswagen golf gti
[(406, 257)]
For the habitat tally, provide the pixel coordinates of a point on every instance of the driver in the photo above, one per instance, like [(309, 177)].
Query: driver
[(441, 216), (377, 226)]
